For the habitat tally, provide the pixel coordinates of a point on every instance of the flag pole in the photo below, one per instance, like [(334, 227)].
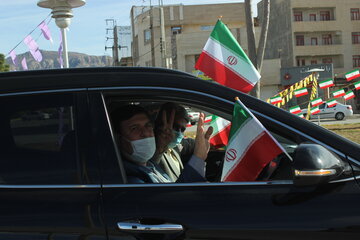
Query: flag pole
[(237, 99)]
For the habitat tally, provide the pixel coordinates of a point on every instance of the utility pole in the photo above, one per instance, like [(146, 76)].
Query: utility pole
[(162, 37), (152, 40), (116, 47)]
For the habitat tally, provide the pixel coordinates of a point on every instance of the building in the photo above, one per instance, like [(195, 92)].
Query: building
[(186, 29), (307, 32)]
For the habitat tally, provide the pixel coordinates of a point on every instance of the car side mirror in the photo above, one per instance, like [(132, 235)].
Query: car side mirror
[(315, 165)]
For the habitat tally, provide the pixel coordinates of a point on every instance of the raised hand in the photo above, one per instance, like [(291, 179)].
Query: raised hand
[(164, 134), (202, 144)]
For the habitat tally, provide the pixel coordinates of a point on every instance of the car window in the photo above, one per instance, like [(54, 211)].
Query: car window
[(38, 143), (216, 154)]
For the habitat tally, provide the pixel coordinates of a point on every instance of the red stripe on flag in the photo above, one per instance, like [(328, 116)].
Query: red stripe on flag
[(301, 94), (221, 138), (257, 156), (221, 73)]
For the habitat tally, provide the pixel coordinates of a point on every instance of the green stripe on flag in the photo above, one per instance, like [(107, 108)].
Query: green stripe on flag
[(223, 36), (241, 116)]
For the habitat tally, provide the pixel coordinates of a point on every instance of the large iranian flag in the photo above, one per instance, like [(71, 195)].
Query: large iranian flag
[(220, 136), (251, 147), (224, 60)]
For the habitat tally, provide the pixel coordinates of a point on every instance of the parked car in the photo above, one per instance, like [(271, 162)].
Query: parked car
[(67, 180), (339, 111)]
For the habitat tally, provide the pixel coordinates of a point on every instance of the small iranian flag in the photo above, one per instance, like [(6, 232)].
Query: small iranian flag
[(331, 103), (224, 60), (300, 115), (295, 109), (357, 85), (301, 92), (276, 99), (326, 83), (352, 75), (221, 132), (349, 95), (314, 110), (317, 102), (251, 147), (339, 93)]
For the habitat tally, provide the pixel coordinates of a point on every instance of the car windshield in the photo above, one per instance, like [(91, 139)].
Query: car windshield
[(300, 70)]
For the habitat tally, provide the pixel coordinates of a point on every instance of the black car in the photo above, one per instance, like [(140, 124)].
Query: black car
[(63, 177)]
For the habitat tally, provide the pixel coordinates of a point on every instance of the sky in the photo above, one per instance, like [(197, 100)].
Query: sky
[(87, 32)]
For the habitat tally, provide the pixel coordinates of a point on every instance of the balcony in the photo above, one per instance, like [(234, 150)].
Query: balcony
[(315, 26), (318, 50)]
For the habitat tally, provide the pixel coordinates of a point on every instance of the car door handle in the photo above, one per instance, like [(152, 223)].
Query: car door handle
[(148, 228)]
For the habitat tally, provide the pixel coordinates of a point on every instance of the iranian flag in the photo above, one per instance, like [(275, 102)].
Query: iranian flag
[(224, 60), (352, 75), (300, 115), (317, 102), (331, 103), (339, 93), (349, 95), (275, 100), (221, 131), (357, 85), (314, 110), (326, 83), (295, 109), (251, 147), (301, 92)]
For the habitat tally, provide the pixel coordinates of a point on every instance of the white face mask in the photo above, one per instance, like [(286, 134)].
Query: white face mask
[(143, 150)]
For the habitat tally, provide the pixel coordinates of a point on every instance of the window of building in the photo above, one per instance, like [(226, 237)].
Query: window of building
[(314, 41), (298, 16), (300, 40), (356, 60), (327, 60), (175, 30), (313, 62), (147, 36), (327, 39), (312, 17), (300, 62), (356, 37), (324, 15), (355, 13), (207, 27), (38, 140)]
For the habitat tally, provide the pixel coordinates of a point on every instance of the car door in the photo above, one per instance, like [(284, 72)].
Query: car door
[(49, 186), (275, 209)]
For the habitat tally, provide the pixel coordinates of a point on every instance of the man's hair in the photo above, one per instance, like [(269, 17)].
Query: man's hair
[(125, 113), (180, 112)]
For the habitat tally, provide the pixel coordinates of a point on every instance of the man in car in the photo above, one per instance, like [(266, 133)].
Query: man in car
[(136, 141), (171, 145)]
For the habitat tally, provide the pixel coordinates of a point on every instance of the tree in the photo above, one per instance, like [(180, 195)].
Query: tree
[(257, 57), (3, 66)]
